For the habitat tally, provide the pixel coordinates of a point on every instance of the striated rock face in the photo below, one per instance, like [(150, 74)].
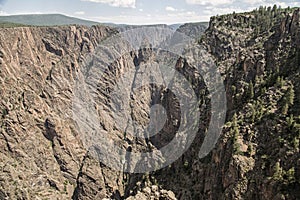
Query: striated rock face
[(41, 154), (44, 156)]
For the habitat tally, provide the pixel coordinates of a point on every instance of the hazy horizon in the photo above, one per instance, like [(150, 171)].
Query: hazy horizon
[(137, 12)]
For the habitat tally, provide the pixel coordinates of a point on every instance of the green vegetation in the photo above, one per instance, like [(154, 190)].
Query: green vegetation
[(42, 20), (288, 100), (10, 25), (285, 176), (4, 112), (277, 176), (235, 135), (265, 96), (260, 20)]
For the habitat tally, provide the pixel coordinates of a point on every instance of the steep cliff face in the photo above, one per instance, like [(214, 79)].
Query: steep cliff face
[(258, 155), (43, 154)]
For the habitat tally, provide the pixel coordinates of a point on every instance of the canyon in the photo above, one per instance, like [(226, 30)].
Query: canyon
[(48, 152)]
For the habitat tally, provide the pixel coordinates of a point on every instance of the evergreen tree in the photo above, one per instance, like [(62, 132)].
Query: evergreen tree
[(253, 113), (236, 132), (234, 120), (290, 121), (277, 172), (274, 8), (288, 100), (285, 109), (290, 95)]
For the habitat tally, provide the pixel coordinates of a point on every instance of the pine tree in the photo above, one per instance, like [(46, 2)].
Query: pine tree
[(234, 120), (280, 81), (290, 121), (288, 100), (253, 113), (236, 132), (274, 8), (285, 109), (277, 172), (290, 95)]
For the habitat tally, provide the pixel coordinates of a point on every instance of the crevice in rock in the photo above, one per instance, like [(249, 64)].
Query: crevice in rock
[(76, 192), (51, 48)]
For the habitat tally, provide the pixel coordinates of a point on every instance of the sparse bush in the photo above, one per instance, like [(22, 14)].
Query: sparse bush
[(277, 176)]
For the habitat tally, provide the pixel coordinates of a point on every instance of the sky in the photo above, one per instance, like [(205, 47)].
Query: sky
[(138, 11)]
